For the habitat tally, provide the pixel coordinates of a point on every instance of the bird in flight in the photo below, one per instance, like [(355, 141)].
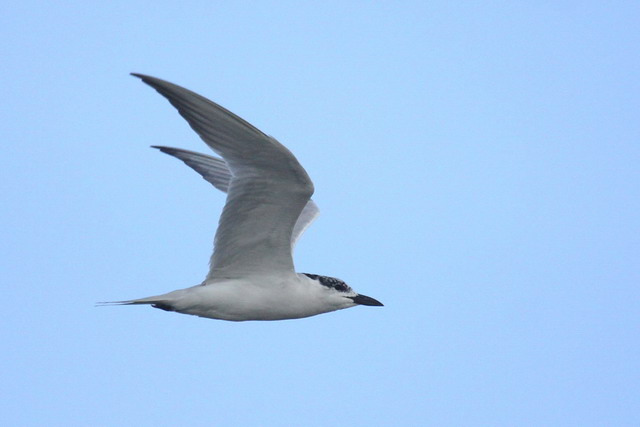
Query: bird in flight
[(268, 207)]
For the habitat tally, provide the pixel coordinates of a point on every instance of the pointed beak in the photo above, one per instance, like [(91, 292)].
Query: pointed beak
[(365, 300)]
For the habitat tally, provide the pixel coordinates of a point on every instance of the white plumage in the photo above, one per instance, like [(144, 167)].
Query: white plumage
[(268, 207)]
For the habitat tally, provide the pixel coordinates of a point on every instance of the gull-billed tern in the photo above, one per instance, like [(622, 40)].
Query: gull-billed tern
[(268, 207)]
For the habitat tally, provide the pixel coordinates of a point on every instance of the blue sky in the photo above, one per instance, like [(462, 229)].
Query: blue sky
[(477, 169)]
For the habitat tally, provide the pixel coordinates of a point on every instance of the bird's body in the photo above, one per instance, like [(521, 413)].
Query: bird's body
[(268, 207), (252, 298)]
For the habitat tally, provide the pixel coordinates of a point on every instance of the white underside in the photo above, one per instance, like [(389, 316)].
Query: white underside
[(257, 297)]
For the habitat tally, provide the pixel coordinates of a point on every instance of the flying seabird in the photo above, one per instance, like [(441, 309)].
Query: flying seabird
[(268, 207)]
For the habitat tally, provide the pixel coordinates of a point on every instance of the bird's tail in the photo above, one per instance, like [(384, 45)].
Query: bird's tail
[(156, 302)]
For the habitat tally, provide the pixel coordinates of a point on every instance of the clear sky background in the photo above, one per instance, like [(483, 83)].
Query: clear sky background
[(477, 165)]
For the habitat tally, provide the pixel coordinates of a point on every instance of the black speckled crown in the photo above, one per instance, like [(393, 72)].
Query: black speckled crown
[(330, 282)]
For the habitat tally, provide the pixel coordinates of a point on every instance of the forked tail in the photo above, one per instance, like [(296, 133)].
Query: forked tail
[(155, 302)]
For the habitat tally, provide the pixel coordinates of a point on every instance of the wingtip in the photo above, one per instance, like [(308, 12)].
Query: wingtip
[(145, 78), (166, 150)]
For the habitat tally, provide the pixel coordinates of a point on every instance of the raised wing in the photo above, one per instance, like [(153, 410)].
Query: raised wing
[(212, 169), (216, 172), (267, 192)]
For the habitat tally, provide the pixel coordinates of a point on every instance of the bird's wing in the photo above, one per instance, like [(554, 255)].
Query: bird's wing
[(267, 192), (212, 169), (216, 172), (307, 216)]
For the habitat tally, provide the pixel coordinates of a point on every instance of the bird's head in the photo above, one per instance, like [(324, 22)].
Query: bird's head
[(341, 293)]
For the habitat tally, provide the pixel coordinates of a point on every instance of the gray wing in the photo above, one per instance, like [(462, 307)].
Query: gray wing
[(212, 169), (266, 194), (216, 172)]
